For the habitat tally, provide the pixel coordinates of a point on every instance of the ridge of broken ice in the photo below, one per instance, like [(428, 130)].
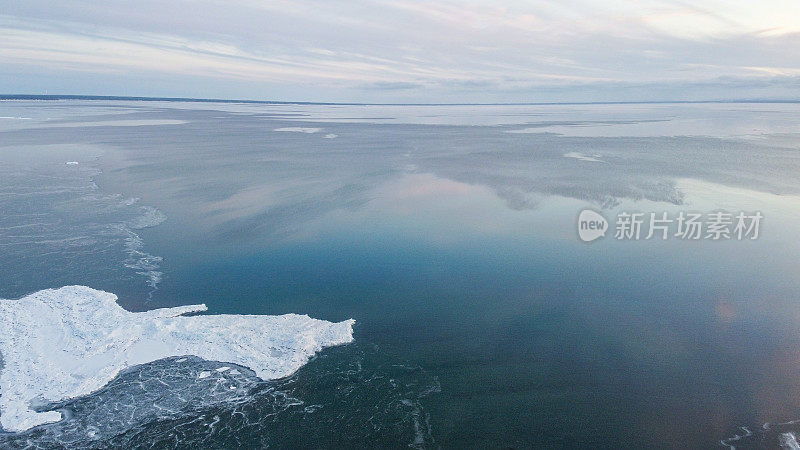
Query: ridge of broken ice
[(64, 343)]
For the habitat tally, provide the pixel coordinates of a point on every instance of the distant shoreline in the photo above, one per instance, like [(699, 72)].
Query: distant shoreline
[(276, 102)]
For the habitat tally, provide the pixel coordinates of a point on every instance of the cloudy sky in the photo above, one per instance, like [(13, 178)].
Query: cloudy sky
[(405, 50)]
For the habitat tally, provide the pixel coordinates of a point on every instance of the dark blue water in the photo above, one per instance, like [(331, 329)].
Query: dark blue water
[(482, 320)]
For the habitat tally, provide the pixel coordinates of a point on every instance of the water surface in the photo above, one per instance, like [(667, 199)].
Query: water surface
[(449, 234)]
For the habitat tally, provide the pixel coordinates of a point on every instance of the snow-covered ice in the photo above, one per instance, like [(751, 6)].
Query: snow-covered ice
[(788, 441), (307, 130), (64, 343), (583, 157)]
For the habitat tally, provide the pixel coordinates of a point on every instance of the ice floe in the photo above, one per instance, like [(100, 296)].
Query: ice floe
[(582, 157), (65, 343), (307, 130)]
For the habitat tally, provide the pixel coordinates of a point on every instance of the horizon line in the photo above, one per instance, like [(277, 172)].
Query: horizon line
[(52, 97)]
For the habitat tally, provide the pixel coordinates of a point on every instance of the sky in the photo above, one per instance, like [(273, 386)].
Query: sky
[(405, 51)]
